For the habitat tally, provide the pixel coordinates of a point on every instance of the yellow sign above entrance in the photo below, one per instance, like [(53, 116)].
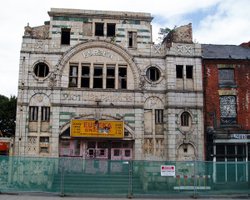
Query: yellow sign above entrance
[(97, 128)]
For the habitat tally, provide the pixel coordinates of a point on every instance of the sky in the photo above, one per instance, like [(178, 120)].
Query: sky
[(213, 22)]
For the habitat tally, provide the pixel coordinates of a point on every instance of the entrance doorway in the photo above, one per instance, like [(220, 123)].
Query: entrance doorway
[(97, 149)]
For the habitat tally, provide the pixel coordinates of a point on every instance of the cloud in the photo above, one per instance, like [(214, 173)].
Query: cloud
[(229, 25), (214, 21)]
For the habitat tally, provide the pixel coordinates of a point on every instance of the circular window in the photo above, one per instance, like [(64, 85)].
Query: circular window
[(153, 74), (41, 70)]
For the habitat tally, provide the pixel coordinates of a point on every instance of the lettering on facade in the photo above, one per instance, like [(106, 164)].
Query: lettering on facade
[(240, 136), (97, 52), (93, 96)]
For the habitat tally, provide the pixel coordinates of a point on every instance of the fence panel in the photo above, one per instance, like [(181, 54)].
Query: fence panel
[(77, 176)]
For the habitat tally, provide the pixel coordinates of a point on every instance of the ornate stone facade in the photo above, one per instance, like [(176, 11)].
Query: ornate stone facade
[(101, 65)]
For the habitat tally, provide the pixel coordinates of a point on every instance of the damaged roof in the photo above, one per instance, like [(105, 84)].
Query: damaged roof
[(212, 51)]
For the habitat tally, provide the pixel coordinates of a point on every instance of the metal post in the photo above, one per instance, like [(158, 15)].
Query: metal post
[(62, 178), (130, 180)]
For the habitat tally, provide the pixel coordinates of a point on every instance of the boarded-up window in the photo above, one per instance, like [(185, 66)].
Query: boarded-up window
[(228, 109), (226, 76)]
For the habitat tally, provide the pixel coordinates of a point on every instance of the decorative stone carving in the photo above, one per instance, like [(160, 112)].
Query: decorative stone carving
[(185, 49), (148, 146)]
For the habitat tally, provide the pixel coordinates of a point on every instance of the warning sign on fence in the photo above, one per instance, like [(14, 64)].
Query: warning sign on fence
[(167, 170)]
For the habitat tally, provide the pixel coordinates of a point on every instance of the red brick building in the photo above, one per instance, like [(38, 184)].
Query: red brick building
[(226, 81)]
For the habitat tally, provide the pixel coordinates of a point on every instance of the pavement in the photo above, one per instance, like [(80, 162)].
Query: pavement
[(48, 197)]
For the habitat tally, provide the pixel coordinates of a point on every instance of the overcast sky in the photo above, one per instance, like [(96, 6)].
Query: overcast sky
[(214, 22)]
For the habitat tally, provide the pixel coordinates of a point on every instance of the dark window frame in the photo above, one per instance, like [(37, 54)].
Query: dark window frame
[(226, 76), (111, 29), (99, 29), (159, 116), (179, 71), (65, 36), (33, 113), (189, 71), (41, 70), (153, 74)]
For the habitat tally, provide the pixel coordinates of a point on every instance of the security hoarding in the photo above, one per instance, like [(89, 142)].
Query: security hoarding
[(97, 128)]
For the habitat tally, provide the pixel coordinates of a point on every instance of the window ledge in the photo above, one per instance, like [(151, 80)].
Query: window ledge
[(230, 126), (227, 85)]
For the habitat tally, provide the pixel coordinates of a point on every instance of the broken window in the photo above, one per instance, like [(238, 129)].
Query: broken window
[(85, 75), (159, 116), (45, 114), (228, 110), (41, 70), (153, 74), (226, 76), (65, 36), (189, 71), (99, 29), (110, 30), (179, 71), (110, 76), (132, 39), (73, 75), (98, 76), (185, 119), (33, 113), (122, 79)]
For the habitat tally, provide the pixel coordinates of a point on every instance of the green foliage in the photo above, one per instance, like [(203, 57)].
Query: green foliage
[(8, 115), (163, 32)]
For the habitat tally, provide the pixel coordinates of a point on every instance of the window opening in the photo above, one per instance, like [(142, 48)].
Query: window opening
[(189, 71), (45, 114), (159, 116), (110, 76), (98, 76), (226, 76), (117, 152), (41, 70), (110, 30), (122, 78), (99, 29), (179, 71), (127, 153), (132, 39), (228, 109), (185, 119), (153, 74), (65, 36), (33, 113), (85, 75), (73, 76)]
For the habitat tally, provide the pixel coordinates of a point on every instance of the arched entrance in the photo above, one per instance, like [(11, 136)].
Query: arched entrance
[(95, 146)]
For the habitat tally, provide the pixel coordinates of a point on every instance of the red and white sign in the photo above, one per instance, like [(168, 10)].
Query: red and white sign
[(167, 170)]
